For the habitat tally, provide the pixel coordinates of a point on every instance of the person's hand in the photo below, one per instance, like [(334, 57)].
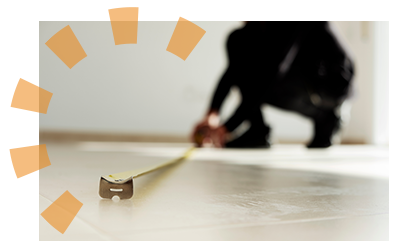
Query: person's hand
[(218, 136), (208, 133), (200, 133)]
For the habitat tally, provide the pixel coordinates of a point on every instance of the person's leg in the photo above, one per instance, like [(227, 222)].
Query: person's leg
[(257, 135), (252, 90), (294, 95), (326, 124)]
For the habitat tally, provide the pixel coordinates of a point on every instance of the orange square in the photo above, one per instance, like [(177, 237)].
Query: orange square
[(62, 211), (30, 97), (124, 23), (123, 14), (185, 38), (67, 47), (27, 160)]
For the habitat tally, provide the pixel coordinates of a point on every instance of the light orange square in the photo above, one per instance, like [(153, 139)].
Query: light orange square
[(44, 160), (27, 160), (62, 211), (25, 96), (44, 100), (30, 97), (123, 14), (185, 38), (124, 23), (67, 47)]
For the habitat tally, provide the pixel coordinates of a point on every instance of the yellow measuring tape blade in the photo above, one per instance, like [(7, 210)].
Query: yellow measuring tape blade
[(141, 171)]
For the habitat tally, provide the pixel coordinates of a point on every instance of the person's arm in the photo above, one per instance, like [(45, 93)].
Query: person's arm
[(209, 127), (228, 78), (204, 132), (236, 119), (221, 91)]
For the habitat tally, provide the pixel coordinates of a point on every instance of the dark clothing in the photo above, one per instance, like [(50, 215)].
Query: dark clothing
[(298, 66)]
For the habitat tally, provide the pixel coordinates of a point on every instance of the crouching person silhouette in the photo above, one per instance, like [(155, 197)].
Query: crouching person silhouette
[(296, 66)]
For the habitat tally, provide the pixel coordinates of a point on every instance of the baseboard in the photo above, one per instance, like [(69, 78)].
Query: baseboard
[(56, 136), (51, 136)]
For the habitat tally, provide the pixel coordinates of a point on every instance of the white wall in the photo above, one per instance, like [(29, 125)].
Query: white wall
[(143, 88), (369, 43), (359, 38), (138, 88), (380, 128)]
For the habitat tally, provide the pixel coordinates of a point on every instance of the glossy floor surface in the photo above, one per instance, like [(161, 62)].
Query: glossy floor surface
[(283, 193)]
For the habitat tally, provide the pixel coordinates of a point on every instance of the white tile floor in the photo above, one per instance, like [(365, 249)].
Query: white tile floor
[(283, 193)]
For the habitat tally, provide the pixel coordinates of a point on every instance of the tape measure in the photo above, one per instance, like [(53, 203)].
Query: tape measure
[(122, 185)]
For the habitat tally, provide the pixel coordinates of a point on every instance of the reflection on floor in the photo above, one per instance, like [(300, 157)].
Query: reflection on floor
[(283, 193)]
